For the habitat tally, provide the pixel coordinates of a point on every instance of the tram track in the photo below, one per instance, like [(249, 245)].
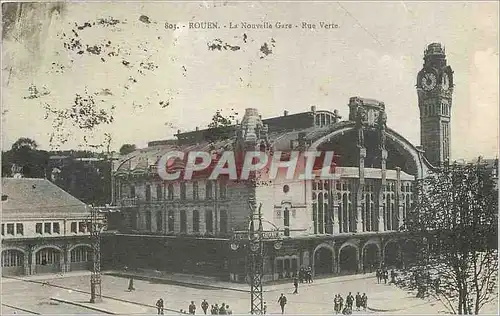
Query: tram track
[(21, 309)]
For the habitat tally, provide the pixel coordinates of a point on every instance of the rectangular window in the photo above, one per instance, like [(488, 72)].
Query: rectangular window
[(73, 227), (10, 229), (19, 229), (171, 220), (46, 228), (148, 192), (183, 221), (3, 229), (81, 227), (38, 228), (159, 192), (56, 228)]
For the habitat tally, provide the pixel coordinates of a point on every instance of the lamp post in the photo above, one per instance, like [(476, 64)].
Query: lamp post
[(253, 239), (97, 225)]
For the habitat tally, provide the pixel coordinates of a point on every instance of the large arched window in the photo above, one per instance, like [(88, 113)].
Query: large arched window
[(159, 192), (12, 258), (159, 221), (170, 191), (196, 221), (209, 221), (183, 190), (183, 221), (148, 192), (195, 191), (171, 221), (208, 190)]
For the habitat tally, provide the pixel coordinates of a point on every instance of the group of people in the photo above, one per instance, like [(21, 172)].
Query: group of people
[(339, 307), (383, 275), (305, 274)]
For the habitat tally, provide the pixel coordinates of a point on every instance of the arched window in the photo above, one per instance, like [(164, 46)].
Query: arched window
[(159, 222), (148, 192), (286, 221), (48, 256), (183, 190), (321, 215), (170, 191), (148, 220), (195, 190), (223, 221), (223, 189), (315, 217), (81, 254), (209, 221), (196, 221), (208, 190), (159, 192), (345, 216), (171, 221), (12, 258), (183, 221)]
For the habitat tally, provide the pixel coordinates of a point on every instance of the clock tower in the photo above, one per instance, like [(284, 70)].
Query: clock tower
[(435, 89)]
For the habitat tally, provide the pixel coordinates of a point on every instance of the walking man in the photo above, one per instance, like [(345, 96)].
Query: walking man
[(192, 308), (282, 301), (159, 306), (358, 301), (131, 285), (364, 301), (296, 284), (204, 306)]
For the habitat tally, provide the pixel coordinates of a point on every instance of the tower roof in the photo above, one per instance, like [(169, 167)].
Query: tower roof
[(434, 49)]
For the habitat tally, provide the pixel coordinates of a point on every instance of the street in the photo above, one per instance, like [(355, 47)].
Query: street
[(62, 295)]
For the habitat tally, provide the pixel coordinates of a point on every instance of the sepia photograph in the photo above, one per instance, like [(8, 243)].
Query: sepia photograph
[(249, 157)]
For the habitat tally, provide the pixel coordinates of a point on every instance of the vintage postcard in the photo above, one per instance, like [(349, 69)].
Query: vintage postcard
[(250, 157)]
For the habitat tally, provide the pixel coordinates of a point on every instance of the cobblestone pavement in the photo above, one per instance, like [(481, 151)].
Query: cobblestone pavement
[(314, 298)]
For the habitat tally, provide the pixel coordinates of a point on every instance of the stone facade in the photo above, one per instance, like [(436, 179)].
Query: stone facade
[(348, 224)]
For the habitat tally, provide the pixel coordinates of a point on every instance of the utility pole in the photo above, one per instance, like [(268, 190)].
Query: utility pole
[(96, 226), (256, 254)]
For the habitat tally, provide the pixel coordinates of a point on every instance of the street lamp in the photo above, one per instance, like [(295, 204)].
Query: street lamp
[(97, 226), (254, 243)]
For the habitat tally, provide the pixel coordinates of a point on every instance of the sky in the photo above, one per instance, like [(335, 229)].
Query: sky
[(156, 80)]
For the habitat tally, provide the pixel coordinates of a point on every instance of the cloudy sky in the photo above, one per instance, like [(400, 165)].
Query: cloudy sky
[(156, 80)]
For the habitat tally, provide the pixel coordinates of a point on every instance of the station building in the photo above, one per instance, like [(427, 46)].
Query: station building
[(349, 224), (44, 229)]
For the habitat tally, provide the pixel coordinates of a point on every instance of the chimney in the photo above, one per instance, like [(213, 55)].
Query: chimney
[(197, 128), (178, 131), (313, 108), (285, 113)]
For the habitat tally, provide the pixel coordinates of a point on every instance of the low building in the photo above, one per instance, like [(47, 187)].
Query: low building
[(44, 229)]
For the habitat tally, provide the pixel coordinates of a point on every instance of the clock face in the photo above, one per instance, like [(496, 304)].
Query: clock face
[(446, 82), (429, 81)]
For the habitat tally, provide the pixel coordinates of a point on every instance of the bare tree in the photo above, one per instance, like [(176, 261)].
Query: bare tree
[(456, 218)]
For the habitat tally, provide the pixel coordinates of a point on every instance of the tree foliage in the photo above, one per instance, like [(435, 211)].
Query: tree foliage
[(456, 216), (221, 126), (127, 149)]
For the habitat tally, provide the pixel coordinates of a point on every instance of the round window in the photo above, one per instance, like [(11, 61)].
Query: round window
[(286, 188)]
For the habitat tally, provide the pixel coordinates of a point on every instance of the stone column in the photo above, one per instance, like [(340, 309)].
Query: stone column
[(399, 197), (26, 263), (33, 261), (62, 260), (360, 260), (359, 195), (68, 259), (383, 183)]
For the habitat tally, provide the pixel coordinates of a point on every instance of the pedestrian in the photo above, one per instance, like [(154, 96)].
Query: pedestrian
[(131, 285), (309, 275), (349, 300), (159, 306), (204, 306), (228, 311), (386, 276), (341, 303), (216, 309), (222, 309), (364, 301), (393, 276), (212, 310), (192, 308), (336, 302), (282, 301), (264, 308), (296, 284), (358, 301), (378, 275)]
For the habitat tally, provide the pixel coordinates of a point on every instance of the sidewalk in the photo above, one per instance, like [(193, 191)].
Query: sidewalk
[(211, 283), (44, 276), (107, 306)]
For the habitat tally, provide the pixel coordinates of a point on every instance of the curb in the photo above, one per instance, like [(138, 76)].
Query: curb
[(82, 305), (173, 282)]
